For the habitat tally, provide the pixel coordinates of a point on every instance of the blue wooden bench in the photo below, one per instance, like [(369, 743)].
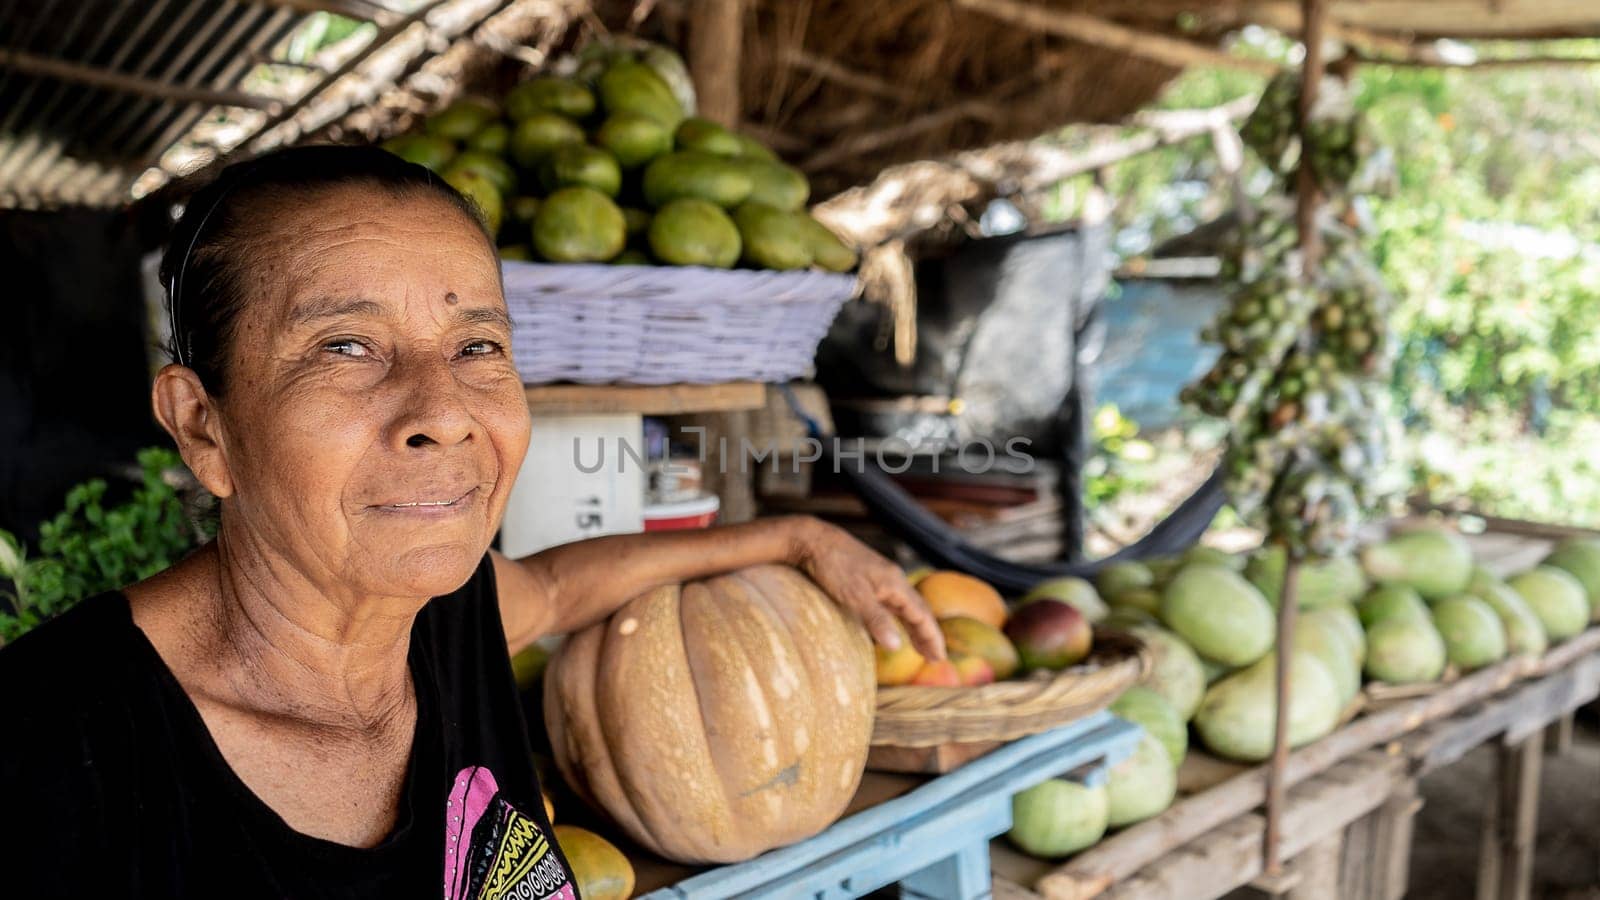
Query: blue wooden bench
[(932, 841)]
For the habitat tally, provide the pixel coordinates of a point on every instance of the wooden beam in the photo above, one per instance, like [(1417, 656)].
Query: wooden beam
[(1088, 29), (716, 34), (1496, 63), (362, 10), (649, 400), (31, 64), (845, 76), (1091, 872)]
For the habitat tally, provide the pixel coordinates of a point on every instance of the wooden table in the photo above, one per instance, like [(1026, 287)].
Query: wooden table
[(932, 836)]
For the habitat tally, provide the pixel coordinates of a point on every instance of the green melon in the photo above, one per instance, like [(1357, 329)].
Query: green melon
[(1222, 616), (1473, 635), (1175, 670), (1524, 633), (1057, 818), (1237, 718), (1151, 711), (1556, 597), (1434, 562), (1405, 650), (1141, 786), (1390, 601), (1581, 558)]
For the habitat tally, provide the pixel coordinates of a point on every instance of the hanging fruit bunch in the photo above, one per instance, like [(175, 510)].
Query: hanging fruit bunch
[(1305, 364)]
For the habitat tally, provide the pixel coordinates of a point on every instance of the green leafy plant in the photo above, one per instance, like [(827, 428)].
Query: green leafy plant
[(90, 547)]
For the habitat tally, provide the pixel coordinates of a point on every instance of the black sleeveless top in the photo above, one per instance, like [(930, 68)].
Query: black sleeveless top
[(113, 786)]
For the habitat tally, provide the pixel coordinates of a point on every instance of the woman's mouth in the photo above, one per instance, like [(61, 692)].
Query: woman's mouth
[(430, 506)]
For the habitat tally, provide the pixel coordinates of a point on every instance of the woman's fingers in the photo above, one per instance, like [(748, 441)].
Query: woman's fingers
[(909, 606)]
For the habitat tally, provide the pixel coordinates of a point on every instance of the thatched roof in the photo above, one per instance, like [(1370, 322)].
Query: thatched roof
[(104, 100)]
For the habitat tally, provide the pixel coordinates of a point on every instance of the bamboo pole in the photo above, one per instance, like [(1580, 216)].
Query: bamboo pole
[(1088, 29), (48, 67), (1313, 14), (716, 32)]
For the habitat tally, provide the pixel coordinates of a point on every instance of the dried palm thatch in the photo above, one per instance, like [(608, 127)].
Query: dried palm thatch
[(845, 88)]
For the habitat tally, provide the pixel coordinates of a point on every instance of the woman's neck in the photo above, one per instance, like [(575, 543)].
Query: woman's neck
[(254, 632)]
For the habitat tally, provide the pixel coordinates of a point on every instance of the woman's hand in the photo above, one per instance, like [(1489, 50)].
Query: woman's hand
[(864, 582)]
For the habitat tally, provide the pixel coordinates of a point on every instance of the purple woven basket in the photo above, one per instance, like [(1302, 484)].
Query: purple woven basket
[(665, 324)]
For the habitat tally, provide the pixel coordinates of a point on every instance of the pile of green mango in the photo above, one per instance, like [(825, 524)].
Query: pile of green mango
[(609, 165), (1408, 609)]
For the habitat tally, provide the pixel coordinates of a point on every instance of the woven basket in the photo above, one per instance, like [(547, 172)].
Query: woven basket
[(1007, 710), (667, 324)]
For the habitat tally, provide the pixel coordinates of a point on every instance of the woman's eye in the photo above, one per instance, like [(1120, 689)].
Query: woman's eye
[(346, 348), (482, 348)]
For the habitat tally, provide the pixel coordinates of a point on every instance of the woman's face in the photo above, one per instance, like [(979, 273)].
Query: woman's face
[(373, 422)]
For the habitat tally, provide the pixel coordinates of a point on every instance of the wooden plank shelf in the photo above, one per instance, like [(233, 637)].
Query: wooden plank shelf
[(644, 399), (933, 840)]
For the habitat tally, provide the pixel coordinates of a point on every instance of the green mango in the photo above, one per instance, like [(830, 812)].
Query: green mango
[(578, 224), (1524, 633), (428, 150), (1126, 617), (1556, 597), (776, 184), (638, 220), (537, 135), (1326, 640), (1238, 716), (1390, 601), (523, 209), (1200, 553), (628, 86), (1323, 580), (827, 250), (482, 193), (1057, 818), (1405, 649), (1219, 613), (493, 138), (694, 232), (528, 665), (706, 136), (1151, 711), (772, 238), (549, 94), (672, 71), (1473, 635), (633, 138), (579, 165), (1581, 558), (1074, 592), (462, 119), (1176, 673), (1119, 577), (1433, 562), (753, 149), (1141, 786), (492, 167), (714, 179), (1143, 599), (631, 257)]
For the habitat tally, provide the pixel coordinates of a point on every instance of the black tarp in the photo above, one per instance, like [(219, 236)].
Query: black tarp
[(74, 383)]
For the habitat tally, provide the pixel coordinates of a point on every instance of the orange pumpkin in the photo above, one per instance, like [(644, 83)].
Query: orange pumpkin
[(717, 719)]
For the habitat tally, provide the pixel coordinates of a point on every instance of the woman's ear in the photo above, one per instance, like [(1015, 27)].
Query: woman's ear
[(185, 410)]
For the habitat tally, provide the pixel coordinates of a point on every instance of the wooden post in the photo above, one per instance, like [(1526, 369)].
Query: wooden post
[(1313, 14), (1276, 783), (1511, 822), (1559, 739), (1318, 866), (716, 34)]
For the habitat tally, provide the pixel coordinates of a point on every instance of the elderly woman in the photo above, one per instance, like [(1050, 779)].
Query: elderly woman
[(319, 703)]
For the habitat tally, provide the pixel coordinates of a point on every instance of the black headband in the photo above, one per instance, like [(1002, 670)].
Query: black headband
[(181, 345)]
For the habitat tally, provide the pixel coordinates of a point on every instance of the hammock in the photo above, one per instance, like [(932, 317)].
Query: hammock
[(942, 546)]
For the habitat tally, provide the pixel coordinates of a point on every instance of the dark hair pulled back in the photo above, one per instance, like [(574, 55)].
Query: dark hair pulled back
[(209, 254)]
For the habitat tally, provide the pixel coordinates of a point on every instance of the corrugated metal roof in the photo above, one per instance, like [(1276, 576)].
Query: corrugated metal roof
[(104, 100)]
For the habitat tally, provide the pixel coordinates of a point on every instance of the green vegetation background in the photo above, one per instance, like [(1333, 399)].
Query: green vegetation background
[(1492, 246)]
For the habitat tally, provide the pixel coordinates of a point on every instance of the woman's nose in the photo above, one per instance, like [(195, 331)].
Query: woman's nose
[(431, 409)]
